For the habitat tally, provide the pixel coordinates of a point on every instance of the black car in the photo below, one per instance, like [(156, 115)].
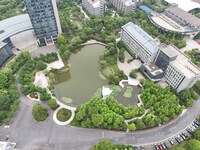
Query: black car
[(178, 140), (196, 122)]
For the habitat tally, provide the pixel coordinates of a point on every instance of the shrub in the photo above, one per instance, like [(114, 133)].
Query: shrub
[(133, 74), (39, 112), (45, 96), (64, 114), (121, 55), (52, 104), (40, 65)]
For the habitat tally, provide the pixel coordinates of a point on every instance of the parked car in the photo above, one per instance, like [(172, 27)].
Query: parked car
[(171, 141), (182, 136), (189, 130), (160, 147), (156, 147), (195, 125), (141, 147), (136, 148), (181, 139), (196, 122), (178, 140), (163, 146)]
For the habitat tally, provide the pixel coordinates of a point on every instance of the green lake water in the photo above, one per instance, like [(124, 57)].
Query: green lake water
[(82, 79)]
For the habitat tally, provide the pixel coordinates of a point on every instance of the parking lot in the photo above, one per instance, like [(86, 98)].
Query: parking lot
[(172, 141)]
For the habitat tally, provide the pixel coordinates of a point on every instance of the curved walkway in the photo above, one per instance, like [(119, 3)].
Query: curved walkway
[(60, 122)]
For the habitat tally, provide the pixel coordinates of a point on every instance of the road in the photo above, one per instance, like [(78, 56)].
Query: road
[(29, 134)]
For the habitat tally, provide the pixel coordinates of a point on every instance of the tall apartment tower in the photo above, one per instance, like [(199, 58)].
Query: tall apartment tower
[(45, 20)]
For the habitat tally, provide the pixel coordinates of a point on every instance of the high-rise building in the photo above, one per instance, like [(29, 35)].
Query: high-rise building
[(45, 20), (125, 6), (94, 7)]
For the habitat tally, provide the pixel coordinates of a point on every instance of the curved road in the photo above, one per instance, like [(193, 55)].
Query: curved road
[(31, 135)]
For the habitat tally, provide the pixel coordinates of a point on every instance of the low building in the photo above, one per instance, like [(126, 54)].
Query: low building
[(139, 42), (153, 72), (125, 6), (94, 7), (182, 17)]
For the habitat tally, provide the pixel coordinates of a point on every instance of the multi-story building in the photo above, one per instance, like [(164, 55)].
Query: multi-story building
[(139, 42), (125, 6), (5, 53), (181, 73), (45, 19), (94, 7)]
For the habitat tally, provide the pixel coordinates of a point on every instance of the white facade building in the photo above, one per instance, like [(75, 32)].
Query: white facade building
[(94, 7), (125, 6), (181, 73), (139, 42)]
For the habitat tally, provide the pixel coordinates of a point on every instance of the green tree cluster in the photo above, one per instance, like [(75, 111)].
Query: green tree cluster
[(9, 8), (105, 144), (39, 112), (9, 97), (162, 102), (108, 114), (52, 104), (187, 97)]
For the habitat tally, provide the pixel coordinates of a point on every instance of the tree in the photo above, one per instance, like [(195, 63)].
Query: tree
[(44, 96), (132, 127), (52, 104), (39, 112), (97, 120), (193, 144), (40, 65), (104, 145), (3, 80), (197, 135), (139, 124)]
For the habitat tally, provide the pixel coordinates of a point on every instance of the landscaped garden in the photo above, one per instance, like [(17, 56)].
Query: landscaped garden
[(64, 114), (194, 54)]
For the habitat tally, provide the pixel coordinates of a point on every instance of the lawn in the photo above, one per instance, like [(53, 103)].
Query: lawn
[(128, 92), (63, 115)]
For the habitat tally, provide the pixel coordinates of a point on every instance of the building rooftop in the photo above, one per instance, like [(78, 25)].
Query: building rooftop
[(168, 52), (194, 21), (94, 3), (183, 63), (141, 37), (128, 2), (14, 25), (146, 9), (186, 5), (155, 70)]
